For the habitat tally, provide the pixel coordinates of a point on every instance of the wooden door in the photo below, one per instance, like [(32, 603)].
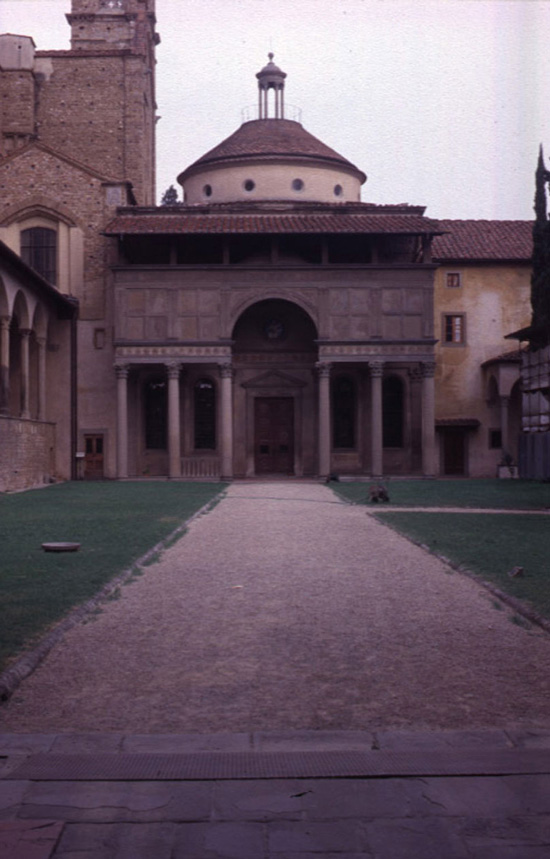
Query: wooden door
[(274, 435), (454, 451), (93, 457)]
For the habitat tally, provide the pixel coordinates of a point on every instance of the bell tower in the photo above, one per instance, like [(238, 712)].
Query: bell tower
[(107, 24), (96, 102)]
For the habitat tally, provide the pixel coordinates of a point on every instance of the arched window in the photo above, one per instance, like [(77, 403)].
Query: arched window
[(155, 414), (39, 250), (205, 415), (393, 411), (343, 412)]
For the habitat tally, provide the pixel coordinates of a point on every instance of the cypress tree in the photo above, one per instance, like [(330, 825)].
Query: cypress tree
[(540, 278), (170, 197)]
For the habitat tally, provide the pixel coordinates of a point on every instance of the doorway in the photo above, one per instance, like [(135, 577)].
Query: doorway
[(274, 435), (454, 451), (93, 457)]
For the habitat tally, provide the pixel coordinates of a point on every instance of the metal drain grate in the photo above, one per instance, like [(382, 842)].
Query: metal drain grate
[(272, 765)]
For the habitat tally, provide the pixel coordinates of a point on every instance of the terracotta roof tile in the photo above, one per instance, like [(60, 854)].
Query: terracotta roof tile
[(483, 240), (280, 138), (170, 223)]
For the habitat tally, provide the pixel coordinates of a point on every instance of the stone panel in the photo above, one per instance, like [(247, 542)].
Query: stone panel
[(338, 301), (359, 327), (392, 300), (188, 328), (339, 328), (359, 300), (187, 301), (134, 329), (209, 302), (209, 327), (413, 301), (392, 328), (412, 327), (136, 301)]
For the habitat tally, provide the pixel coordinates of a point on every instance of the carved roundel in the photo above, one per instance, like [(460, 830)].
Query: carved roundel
[(274, 330)]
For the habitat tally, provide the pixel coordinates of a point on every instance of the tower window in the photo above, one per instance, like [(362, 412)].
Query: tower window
[(207, 190), (39, 251), (297, 185), (338, 190), (249, 185)]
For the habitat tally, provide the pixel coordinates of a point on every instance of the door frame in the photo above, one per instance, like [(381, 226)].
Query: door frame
[(446, 435), (96, 432), (275, 384), (292, 424)]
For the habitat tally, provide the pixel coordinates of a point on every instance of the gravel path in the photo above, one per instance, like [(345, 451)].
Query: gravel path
[(284, 608)]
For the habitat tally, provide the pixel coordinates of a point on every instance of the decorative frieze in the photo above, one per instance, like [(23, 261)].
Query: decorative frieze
[(359, 350), (135, 352), (275, 358)]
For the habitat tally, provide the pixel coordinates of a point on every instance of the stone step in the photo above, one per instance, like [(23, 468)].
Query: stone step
[(280, 765)]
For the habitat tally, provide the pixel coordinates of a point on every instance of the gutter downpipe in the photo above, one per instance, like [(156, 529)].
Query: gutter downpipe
[(73, 383)]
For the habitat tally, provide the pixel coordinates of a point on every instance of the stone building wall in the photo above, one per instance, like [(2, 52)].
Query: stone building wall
[(28, 453)]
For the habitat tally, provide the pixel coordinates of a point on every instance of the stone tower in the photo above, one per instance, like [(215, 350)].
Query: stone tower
[(94, 103)]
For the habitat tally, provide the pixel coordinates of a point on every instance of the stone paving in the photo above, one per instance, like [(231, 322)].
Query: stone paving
[(435, 654), (504, 816)]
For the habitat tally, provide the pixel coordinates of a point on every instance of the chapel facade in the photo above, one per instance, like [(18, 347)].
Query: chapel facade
[(272, 323)]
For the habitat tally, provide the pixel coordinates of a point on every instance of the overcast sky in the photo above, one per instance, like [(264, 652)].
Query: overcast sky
[(441, 102)]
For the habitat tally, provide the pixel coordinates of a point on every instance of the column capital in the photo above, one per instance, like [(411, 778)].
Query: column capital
[(173, 369), (5, 323), (122, 370), (415, 374), (226, 370), (428, 369), (323, 369), (376, 369), (25, 332)]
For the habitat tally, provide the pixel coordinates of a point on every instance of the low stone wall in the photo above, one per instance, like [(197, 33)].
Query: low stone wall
[(28, 449)]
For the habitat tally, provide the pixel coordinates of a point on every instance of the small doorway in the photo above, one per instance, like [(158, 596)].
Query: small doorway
[(274, 435), (93, 457), (454, 451)]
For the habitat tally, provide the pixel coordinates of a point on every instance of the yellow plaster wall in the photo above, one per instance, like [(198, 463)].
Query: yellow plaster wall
[(496, 301)]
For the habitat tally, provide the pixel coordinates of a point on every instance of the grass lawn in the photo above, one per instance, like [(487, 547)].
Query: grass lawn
[(499, 494), (487, 544), (116, 523)]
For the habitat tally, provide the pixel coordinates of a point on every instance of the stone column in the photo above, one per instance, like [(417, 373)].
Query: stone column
[(505, 440), (428, 420), (122, 371), (376, 371), (41, 341), (174, 425), (323, 370), (25, 374), (226, 373), (4, 365)]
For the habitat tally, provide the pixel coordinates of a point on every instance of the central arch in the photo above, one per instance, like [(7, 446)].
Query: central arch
[(274, 355)]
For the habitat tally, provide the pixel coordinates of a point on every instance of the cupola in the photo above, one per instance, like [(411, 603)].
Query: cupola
[(271, 159)]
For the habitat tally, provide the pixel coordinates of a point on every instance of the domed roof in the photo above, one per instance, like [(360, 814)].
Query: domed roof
[(271, 70), (283, 140)]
